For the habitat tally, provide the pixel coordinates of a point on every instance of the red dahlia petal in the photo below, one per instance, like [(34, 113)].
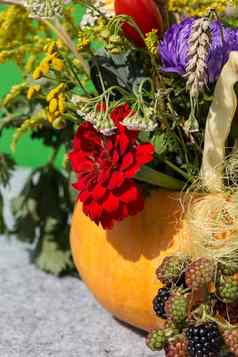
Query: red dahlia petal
[(79, 186), (127, 161), (84, 196), (128, 192), (115, 157), (104, 175), (95, 211), (144, 154), (123, 143), (116, 180), (106, 222), (111, 204), (131, 171), (98, 192), (87, 139)]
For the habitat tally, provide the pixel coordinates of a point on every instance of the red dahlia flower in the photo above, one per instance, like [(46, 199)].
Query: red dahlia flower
[(105, 167), (118, 114)]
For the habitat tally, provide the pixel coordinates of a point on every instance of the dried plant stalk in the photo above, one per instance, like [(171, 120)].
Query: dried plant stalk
[(199, 44)]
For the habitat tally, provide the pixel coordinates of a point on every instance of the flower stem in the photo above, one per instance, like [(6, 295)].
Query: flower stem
[(177, 169)]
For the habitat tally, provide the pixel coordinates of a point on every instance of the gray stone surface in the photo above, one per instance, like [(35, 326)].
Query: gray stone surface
[(41, 315)]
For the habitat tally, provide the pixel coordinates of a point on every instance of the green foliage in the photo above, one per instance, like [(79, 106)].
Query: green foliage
[(7, 165), (42, 212)]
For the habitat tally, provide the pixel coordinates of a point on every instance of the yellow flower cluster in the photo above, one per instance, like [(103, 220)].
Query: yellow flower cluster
[(52, 59), (83, 41), (33, 90), (197, 8), (151, 41), (56, 106), (36, 121), (15, 91)]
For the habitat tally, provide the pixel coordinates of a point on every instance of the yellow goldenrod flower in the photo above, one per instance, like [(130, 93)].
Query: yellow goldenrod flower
[(61, 103), (58, 64), (37, 73), (45, 64), (53, 105), (50, 118), (30, 63), (50, 48), (197, 8), (152, 41), (83, 42), (55, 91), (56, 105), (32, 90)]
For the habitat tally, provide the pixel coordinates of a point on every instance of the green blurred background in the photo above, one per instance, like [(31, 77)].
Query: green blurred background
[(28, 152)]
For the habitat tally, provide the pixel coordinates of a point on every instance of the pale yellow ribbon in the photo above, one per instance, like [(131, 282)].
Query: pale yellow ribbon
[(218, 126)]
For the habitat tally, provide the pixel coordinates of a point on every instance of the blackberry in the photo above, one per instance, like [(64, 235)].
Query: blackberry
[(176, 308), (171, 269), (156, 340), (199, 273), (227, 289), (204, 340), (231, 340), (177, 348), (159, 302)]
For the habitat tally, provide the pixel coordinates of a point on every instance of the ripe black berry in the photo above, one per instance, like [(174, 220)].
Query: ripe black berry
[(159, 302), (204, 340)]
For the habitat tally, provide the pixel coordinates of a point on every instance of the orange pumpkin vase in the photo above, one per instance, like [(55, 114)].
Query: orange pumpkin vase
[(119, 265)]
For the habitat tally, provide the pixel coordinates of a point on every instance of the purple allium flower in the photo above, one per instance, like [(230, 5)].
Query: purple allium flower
[(173, 48)]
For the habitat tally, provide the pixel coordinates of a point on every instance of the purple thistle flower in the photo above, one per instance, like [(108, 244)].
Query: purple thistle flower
[(173, 49)]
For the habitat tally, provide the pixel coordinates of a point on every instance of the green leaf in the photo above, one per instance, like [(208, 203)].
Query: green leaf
[(153, 177), (52, 259), (7, 165), (25, 229), (42, 212), (160, 143)]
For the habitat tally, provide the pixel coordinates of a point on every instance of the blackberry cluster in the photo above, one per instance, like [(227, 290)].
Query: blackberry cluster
[(177, 348), (159, 302), (230, 268), (231, 340), (199, 273), (171, 269), (228, 289), (176, 308), (191, 308), (204, 340), (156, 340)]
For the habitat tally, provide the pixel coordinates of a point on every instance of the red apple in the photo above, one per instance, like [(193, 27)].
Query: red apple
[(146, 15)]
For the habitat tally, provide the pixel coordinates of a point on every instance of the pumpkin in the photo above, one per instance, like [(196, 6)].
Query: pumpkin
[(146, 15), (119, 265)]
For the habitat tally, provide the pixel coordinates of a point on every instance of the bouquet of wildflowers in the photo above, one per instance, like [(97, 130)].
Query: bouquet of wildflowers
[(130, 92)]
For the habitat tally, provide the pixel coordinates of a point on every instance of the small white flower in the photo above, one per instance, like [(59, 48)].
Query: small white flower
[(91, 16), (45, 9)]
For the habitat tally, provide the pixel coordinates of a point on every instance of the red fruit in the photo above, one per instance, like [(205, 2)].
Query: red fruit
[(146, 15)]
